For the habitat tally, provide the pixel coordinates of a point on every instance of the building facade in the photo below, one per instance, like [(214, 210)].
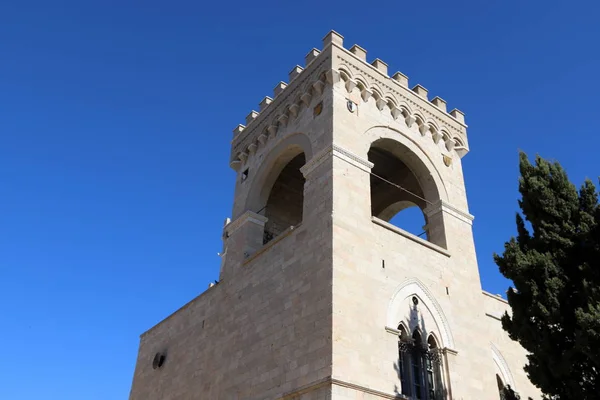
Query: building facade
[(320, 296)]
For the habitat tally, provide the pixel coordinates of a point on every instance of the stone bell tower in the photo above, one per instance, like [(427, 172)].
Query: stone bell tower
[(320, 295)]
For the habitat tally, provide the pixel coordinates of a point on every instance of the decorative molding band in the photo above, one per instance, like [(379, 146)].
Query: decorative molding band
[(352, 158), (315, 161), (495, 297), (272, 243), (443, 206), (393, 331), (248, 216), (399, 90), (306, 388), (338, 382), (410, 236), (449, 351), (339, 152), (364, 389), (280, 103), (445, 350), (503, 366), (494, 316)]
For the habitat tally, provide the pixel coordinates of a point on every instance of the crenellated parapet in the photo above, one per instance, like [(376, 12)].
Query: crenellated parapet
[(350, 68), (393, 95), (276, 114)]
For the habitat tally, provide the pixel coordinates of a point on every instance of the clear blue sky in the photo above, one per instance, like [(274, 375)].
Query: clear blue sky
[(115, 123)]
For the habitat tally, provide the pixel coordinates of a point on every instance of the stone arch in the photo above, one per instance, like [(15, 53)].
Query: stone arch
[(414, 287), (419, 117), (271, 167), (391, 99), (345, 73), (405, 107), (458, 141), (402, 326), (445, 134), (404, 183), (435, 336), (416, 159), (361, 83), (377, 92), (502, 367)]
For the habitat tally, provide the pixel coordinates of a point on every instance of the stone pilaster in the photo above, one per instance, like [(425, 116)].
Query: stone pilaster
[(437, 215), (242, 238)]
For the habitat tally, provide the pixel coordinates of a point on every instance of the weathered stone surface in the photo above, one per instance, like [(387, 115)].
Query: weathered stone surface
[(314, 313)]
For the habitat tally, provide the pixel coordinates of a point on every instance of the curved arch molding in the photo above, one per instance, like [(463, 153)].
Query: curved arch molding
[(415, 287), (275, 160), (502, 366), (387, 132)]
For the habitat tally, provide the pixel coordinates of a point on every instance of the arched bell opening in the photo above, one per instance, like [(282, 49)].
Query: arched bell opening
[(285, 201), (401, 188)]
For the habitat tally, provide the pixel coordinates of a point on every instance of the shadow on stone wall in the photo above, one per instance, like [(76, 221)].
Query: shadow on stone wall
[(414, 320)]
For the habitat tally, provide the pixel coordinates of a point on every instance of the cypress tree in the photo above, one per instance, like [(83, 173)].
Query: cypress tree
[(554, 264)]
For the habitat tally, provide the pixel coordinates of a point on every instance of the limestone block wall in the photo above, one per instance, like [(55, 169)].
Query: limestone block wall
[(509, 357), (372, 260), (314, 313), (258, 335), (264, 331), (299, 116)]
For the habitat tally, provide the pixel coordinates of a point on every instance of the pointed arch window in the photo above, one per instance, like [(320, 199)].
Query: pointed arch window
[(420, 366)]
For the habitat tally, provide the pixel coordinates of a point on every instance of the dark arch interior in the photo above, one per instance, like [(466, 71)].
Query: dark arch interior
[(431, 342), (402, 208), (286, 199)]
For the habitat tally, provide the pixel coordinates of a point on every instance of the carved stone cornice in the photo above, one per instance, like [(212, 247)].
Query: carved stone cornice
[(303, 81), (351, 62), (335, 151), (248, 216), (442, 206)]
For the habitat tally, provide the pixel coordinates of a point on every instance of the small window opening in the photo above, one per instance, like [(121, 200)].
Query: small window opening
[(244, 175), (286, 200)]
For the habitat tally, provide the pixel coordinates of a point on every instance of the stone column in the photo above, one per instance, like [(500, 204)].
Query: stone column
[(242, 238), (438, 225), (435, 227), (449, 365)]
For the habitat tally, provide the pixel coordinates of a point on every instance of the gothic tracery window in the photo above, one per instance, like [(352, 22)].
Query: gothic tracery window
[(419, 366)]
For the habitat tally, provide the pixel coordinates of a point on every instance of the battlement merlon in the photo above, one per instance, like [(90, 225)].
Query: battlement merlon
[(289, 99), (356, 70), (328, 66)]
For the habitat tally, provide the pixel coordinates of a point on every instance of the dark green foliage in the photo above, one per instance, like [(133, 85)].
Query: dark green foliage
[(509, 394), (554, 263)]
